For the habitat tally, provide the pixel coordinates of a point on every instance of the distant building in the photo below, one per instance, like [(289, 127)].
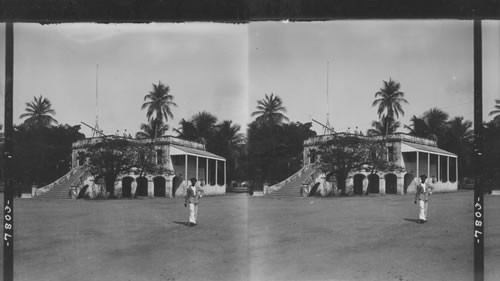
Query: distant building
[(415, 155)]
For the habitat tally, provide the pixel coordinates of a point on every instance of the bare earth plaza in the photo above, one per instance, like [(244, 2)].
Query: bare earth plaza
[(338, 150), (241, 237)]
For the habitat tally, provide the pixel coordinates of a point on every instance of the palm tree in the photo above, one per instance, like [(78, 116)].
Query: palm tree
[(152, 130), (390, 102), (270, 110), (200, 128), (228, 135), (496, 112), (159, 103), (459, 130), (436, 120), (38, 113), (418, 127), (432, 125), (379, 127)]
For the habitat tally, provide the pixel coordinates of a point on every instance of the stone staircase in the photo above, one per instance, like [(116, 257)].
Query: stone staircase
[(291, 186), (61, 187)]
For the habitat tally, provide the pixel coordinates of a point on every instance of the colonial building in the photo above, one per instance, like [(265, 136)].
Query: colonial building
[(186, 159), (416, 156)]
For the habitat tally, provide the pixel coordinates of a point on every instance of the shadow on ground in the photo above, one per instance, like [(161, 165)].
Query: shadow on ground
[(412, 220)]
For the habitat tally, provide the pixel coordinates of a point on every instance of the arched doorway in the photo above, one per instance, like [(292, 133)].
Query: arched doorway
[(373, 183), (127, 187), (391, 184), (176, 182), (159, 186), (142, 186), (409, 177), (358, 184)]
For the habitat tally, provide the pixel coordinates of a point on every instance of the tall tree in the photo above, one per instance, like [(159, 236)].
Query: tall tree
[(227, 142), (159, 103), (151, 130), (42, 154), (270, 111), (39, 113), (389, 101), (436, 120), (200, 128), (431, 125), (458, 138), (496, 112), (379, 127)]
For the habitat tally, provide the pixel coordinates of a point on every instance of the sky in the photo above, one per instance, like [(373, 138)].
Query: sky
[(432, 60), (226, 68), (204, 64)]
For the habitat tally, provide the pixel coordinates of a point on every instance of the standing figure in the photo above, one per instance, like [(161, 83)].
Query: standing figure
[(193, 195), (422, 198)]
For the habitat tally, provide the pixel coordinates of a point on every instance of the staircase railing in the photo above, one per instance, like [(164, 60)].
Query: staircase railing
[(291, 178), (308, 184), (62, 179)]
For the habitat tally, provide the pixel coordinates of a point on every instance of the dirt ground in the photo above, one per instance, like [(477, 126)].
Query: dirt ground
[(253, 238)]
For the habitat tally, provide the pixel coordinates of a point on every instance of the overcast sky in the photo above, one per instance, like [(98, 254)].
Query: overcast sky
[(225, 68), (205, 65), (433, 61)]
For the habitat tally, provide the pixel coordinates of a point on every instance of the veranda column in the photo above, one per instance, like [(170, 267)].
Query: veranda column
[(197, 178), (439, 168), (206, 172), (428, 165), (448, 169), (216, 172), (456, 170), (186, 169), (417, 175), (225, 176)]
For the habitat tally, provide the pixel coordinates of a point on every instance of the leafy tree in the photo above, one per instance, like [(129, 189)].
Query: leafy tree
[(496, 112), (390, 100), (274, 153), (42, 154), (112, 156), (344, 154), (200, 128), (431, 125), (491, 145), (39, 113), (227, 142), (152, 130), (159, 103), (270, 111), (458, 138), (379, 127)]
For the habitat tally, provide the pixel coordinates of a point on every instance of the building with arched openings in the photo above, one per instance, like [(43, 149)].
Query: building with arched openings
[(415, 155), (187, 159)]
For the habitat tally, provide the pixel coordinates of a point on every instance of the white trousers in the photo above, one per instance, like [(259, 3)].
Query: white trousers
[(422, 206), (193, 212)]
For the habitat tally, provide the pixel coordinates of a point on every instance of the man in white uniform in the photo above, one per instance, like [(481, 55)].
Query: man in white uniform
[(422, 198), (193, 195)]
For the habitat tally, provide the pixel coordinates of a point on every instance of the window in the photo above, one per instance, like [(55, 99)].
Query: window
[(159, 156), (390, 153)]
